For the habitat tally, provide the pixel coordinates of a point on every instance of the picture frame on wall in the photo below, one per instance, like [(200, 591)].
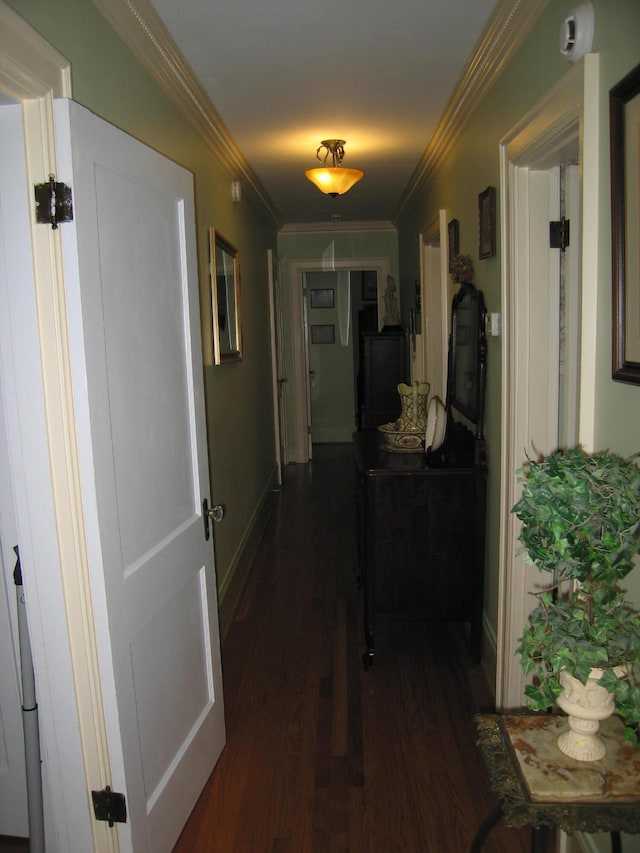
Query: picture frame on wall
[(487, 216), (324, 333), (322, 297), (624, 119), (453, 233)]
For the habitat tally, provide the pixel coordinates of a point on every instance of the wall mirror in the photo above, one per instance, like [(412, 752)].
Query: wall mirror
[(624, 114), (224, 276), (468, 355)]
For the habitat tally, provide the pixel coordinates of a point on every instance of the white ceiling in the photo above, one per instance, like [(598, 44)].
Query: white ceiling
[(286, 74)]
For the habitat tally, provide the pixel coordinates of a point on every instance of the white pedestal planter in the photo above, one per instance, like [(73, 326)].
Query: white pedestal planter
[(586, 704)]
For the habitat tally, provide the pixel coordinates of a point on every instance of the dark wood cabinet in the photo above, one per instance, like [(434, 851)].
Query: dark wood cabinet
[(384, 363), (421, 532)]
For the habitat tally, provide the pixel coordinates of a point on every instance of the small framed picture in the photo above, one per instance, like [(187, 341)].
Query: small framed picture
[(323, 334), (322, 298), (369, 286), (453, 230), (487, 211)]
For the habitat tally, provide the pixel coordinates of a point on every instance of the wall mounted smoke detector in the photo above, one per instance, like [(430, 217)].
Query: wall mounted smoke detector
[(576, 32)]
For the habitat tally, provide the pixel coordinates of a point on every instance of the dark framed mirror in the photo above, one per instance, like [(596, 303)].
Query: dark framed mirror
[(468, 356), (624, 117)]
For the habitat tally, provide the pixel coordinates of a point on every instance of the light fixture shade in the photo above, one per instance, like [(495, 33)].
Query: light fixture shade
[(334, 180)]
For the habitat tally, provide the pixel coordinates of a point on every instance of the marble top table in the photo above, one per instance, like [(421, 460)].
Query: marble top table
[(539, 786)]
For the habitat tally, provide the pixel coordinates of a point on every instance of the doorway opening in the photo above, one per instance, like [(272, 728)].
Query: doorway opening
[(300, 274), (542, 348)]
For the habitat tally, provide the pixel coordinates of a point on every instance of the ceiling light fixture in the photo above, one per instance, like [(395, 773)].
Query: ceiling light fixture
[(335, 179)]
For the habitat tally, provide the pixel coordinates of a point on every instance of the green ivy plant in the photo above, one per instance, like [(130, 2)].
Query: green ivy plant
[(580, 517)]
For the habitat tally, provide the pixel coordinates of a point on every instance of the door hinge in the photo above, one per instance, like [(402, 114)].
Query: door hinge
[(559, 234), (109, 806), (54, 203)]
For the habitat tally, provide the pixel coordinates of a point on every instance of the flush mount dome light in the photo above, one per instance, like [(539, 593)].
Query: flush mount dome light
[(333, 180)]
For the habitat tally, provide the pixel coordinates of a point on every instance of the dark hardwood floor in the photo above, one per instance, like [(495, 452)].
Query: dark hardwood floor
[(9, 844), (322, 755)]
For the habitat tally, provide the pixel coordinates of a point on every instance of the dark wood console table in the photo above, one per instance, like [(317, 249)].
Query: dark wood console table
[(421, 532)]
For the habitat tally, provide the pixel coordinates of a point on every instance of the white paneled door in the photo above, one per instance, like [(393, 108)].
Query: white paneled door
[(13, 217), (133, 317)]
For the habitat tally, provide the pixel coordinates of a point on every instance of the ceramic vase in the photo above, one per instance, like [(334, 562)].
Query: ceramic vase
[(413, 398), (586, 704)]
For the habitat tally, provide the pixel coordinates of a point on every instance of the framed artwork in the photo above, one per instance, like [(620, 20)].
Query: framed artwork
[(369, 286), (453, 231), (224, 279), (624, 118), (323, 334), (487, 211), (322, 297)]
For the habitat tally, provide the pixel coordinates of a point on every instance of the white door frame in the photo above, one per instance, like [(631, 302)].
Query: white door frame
[(59, 603), (557, 122), (300, 390), (277, 377)]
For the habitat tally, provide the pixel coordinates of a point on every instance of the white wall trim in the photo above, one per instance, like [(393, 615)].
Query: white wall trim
[(29, 66), (142, 30), (509, 25), (590, 139), (536, 142), (33, 72), (331, 227)]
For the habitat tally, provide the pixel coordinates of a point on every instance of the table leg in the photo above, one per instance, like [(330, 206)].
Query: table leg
[(367, 657), (487, 825), (539, 839)]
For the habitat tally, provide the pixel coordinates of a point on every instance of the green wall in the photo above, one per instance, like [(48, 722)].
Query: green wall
[(108, 79), (473, 165)]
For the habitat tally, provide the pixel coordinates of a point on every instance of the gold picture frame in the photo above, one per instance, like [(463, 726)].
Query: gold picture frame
[(224, 280)]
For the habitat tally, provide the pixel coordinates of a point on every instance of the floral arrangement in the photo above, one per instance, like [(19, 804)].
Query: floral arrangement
[(462, 268)]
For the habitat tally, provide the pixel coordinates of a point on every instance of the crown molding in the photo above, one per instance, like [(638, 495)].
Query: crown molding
[(509, 25), (324, 227), (142, 30)]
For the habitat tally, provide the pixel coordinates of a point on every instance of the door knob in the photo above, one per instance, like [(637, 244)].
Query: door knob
[(214, 513)]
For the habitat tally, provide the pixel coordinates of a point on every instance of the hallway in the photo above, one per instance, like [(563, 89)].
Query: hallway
[(321, 755)]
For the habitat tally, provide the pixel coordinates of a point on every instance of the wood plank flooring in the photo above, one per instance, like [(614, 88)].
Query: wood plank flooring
[(322, 755)]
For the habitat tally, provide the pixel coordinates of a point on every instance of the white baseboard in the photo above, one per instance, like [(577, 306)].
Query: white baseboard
[(582, 842), (231, 586), (489, 652)]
